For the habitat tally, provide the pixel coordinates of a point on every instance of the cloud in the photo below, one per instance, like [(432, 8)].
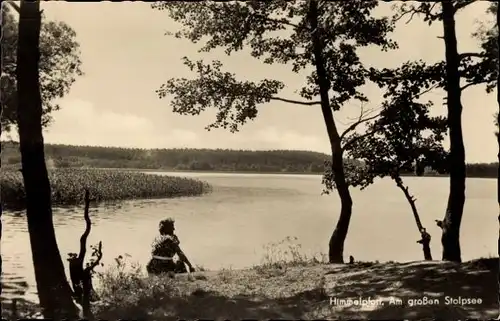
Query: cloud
[(275, 138), (80, 123)]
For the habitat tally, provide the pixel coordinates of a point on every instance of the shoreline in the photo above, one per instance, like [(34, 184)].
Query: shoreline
[(164, 170)]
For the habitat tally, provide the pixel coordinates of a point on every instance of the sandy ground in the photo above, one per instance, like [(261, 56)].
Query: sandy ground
[(417, 291)]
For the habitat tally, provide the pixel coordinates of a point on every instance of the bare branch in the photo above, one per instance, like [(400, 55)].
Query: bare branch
[(363, 118), (413, 10), (405, 13), (426, 90), (291, 101)]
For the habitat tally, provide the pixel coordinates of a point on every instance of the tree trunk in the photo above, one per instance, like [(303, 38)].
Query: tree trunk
[(336, 245), (424, 241), (411, 200), (456, 199), (53, 289)]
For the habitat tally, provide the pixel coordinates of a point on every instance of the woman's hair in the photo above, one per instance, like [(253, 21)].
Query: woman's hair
[(166, 223)]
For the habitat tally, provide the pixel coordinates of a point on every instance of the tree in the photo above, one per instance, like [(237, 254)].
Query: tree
[(81, 278), (472, 69), (320, 37), (59, 66), (53, 289), (406, 139)]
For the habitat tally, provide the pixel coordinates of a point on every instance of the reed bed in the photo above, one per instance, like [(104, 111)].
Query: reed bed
[(67, 186)]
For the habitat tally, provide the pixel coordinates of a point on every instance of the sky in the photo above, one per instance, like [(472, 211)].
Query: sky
[(127, 56)]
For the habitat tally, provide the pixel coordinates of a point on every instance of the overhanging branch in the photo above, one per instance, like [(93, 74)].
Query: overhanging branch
[(413, 10), (278, 21), (297, 102), (473, 84), (471, 55), (356, 124)]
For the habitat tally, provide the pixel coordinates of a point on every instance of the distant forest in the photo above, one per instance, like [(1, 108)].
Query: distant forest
[(217, 160)]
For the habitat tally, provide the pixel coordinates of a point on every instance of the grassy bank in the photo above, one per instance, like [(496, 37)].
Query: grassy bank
[(304, 291), (105, 185), (288, 285)]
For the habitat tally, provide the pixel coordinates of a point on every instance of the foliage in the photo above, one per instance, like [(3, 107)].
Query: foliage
[(63, 156), (399, 137), (59, 66), (275, 32), (474, 67), (407, 139), (124, 289), (487, 34), (394, 137), (104, 185), (225, 160), (178, 159), (354, 171)]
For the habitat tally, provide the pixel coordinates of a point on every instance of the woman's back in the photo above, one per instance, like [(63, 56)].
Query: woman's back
[(165, 245)]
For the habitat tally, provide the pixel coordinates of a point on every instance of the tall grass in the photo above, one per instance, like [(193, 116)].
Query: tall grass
[(104, 185), (288, 252)]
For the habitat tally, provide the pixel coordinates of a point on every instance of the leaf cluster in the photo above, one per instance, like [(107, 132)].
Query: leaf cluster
[(235, 101), (474, 67), (59, 66), (405, 138), (274, 32), (487, 34)]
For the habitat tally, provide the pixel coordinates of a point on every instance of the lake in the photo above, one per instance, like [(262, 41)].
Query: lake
[(231, 226)]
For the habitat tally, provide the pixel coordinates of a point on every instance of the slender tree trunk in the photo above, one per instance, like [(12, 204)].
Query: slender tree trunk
[(336, 245), (424, 241), (456, 199), (53, 289), (411, 200)]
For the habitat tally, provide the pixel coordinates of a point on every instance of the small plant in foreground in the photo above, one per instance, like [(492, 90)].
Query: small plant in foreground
[(287, 252), (126, 291)]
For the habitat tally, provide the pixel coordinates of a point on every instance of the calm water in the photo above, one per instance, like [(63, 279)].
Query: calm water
[(231, 226)]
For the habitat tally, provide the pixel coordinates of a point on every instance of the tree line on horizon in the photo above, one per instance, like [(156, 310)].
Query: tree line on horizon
[(322, 39), (194, 159)]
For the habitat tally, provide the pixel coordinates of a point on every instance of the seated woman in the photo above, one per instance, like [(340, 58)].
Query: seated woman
[(165, 246)]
